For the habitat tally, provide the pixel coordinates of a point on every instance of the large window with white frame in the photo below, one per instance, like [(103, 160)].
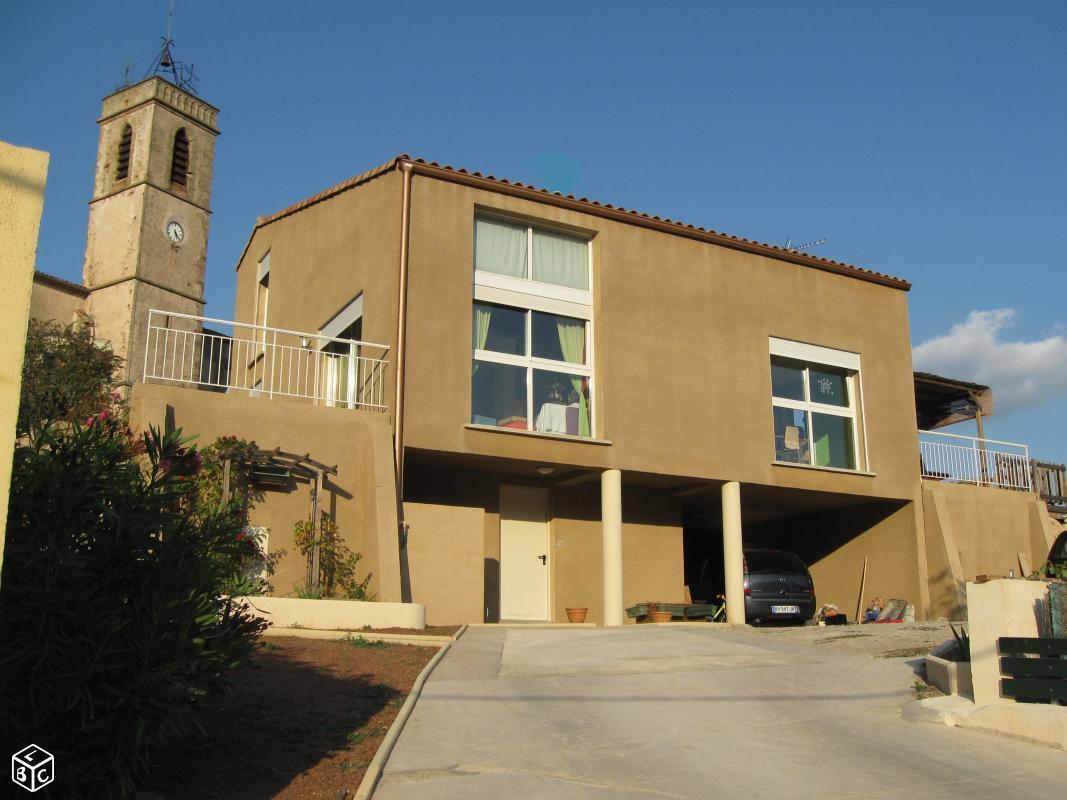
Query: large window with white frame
[(815, 401), (531, 328)]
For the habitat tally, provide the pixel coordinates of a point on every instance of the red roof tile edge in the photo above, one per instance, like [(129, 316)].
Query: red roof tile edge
[(60, 283), (447, 172)]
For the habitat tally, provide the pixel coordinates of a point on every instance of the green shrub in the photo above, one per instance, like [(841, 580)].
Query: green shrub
[(245, 565), (65, 375), (111, 614), (963, 643), (337, 562)]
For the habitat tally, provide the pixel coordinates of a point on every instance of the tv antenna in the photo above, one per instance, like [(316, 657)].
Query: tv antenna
[(167, 65), (805, 246)]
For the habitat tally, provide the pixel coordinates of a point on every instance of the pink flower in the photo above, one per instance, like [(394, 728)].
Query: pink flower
[(116, 396), (103, 415)]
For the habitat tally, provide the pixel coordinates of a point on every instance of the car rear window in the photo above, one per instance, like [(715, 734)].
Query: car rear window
[(773, 562)]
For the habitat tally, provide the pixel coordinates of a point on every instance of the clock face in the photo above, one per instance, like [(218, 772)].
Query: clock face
[(175, 232)]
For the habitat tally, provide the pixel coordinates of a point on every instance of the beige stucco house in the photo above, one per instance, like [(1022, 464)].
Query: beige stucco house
[(586, 403), (530, 401)]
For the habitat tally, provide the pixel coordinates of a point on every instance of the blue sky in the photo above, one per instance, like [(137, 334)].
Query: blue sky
[(922, 139)]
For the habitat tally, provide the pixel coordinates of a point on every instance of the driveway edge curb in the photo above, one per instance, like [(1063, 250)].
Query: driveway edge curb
[(377, 764)]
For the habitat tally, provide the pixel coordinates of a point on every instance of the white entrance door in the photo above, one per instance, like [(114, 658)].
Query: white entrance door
[(524, 567)]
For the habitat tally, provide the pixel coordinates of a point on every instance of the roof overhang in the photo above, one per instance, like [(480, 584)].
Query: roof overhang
[(432, 169), (941, 401)]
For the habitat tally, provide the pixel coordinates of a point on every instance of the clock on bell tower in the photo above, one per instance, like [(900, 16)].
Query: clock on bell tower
[(148, 218)]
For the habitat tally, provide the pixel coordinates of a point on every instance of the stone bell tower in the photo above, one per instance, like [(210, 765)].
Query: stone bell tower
[(148, 218)]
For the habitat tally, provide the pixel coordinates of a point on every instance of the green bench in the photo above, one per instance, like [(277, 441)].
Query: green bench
[(1034, 670)]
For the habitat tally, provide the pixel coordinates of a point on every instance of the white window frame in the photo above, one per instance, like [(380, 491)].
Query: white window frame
[(339, 323), (528, 295), (811, 355), (262, 280)]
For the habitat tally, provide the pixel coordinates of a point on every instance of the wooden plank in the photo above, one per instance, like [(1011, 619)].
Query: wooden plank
[(1024, 565), (1034, 689), (1033, 667), (1043, 647)]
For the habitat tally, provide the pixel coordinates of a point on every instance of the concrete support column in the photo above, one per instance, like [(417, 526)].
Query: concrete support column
[(611, 520), (732, 555)]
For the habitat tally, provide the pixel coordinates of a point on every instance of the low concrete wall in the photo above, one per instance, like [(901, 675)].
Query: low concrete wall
[(951, 677), (329, 615), (996, 609), (977, 530)]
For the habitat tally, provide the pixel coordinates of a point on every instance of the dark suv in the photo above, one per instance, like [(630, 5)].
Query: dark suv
[(777, 587)]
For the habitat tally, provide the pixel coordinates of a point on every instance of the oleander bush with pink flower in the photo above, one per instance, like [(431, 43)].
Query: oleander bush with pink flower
[(115, 620)]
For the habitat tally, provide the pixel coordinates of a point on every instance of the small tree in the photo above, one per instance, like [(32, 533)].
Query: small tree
[(337, 562), (65, 376)]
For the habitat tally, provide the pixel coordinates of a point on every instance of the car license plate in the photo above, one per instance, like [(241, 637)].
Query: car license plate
[(785, 609)]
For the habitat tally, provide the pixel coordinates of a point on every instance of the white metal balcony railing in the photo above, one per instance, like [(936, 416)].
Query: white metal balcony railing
[(966, 459), (267, 362)]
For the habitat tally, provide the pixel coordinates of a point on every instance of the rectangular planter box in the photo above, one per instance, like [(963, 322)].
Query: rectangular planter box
[(330, 615), (951, 677)]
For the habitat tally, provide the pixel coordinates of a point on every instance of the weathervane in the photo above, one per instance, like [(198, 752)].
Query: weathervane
[(166, 64)]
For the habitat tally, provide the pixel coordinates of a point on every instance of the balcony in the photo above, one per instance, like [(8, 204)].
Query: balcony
[(263, 361), (967, 459), (988, 462)]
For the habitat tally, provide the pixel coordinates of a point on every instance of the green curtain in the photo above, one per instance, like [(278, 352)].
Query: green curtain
[(572, 343), (482, 314)]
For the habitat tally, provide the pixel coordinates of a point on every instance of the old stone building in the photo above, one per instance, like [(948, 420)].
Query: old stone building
[(148, 218)]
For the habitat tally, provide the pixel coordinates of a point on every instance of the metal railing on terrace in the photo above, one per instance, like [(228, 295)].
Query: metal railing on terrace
[(264, 361), (966, 459)]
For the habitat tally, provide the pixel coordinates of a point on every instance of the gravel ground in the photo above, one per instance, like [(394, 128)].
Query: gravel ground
[(877, 641)]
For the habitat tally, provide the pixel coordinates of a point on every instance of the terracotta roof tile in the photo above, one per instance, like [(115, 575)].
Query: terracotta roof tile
[(794, 256)]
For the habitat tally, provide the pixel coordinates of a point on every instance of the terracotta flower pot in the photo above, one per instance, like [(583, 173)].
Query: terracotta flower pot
[(659, 616), (577, 614)]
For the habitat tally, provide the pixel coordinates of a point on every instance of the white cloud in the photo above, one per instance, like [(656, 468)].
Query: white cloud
[(1021, 374)]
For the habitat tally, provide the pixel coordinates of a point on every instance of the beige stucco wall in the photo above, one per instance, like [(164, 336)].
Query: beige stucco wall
[(835, 544), (446, 561), (682, 365), (682, 330), (322, 258), (996, 609), (977, 530), (361, 496), (682, 377), (23, 173), (454, 546), (54, 303)]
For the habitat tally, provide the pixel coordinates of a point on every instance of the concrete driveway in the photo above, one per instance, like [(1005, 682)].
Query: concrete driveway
[(688, 712)]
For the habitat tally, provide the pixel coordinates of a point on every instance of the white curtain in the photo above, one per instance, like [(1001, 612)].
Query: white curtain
[(500, 248), (572, 343), (561, 260)]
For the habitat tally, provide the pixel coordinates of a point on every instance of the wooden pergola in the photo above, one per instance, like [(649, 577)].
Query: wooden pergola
[(941, 401), (277, 467)]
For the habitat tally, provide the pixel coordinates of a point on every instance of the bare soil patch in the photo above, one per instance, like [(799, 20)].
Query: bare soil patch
[(879, 641), (304, 720), (429, 630)]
